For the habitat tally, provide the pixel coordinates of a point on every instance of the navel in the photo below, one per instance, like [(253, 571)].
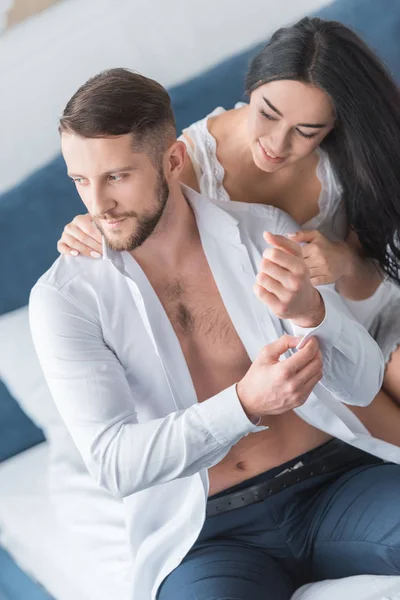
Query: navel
[(241, 465)]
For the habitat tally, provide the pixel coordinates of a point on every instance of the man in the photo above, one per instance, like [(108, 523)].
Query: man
[(177, 382)]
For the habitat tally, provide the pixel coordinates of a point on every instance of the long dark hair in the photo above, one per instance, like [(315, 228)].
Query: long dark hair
[(364, 146)]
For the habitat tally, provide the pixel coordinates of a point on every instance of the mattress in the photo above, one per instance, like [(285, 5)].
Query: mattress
[(30, 533), (28, 528)]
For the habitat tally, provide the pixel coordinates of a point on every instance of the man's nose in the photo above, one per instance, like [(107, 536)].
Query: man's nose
[(99, 201)]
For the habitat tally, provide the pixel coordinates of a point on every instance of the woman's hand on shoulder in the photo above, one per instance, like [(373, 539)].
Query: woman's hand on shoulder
[(81, 237)]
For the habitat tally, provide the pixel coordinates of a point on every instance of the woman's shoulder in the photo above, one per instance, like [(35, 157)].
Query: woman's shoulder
[(201, 124), (198, 139), (204, 125), (201, 148)]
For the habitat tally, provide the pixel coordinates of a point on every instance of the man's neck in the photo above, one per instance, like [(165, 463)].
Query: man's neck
[(174, 237)]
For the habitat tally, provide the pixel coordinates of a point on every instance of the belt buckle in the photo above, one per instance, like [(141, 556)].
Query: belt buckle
[(290, 469)]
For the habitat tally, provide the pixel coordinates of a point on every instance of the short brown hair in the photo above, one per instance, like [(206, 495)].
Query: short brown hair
[(118, 102)]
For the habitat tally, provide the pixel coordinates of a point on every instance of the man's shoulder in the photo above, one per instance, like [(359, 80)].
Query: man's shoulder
[(66, 269), (74, 281)]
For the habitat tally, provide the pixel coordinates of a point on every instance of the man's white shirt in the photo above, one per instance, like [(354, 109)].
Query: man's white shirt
[(119, 378)]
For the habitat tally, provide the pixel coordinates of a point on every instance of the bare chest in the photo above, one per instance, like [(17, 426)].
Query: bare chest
[(213, 351)]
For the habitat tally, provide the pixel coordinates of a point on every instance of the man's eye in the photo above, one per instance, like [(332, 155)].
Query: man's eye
[(115, 177), (266, 115)]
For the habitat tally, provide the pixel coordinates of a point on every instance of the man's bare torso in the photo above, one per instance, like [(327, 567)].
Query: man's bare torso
[(216, 359)]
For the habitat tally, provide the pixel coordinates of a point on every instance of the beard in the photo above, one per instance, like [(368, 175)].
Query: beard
[(145, 224)]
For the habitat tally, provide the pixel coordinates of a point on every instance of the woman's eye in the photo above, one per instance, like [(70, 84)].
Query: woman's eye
[(266, 115), (308, 136)]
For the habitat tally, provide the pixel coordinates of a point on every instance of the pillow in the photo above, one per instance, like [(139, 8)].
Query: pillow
[(32, 217), (24, 395), (377, 23), (21, 372), (17, 432), (222, 85)]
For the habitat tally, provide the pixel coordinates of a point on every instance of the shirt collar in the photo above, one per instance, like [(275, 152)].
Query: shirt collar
[(112, 255), (210, 216)]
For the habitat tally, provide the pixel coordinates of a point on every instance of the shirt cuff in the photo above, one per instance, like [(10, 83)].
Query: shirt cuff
[(327, 332), (225, 417)]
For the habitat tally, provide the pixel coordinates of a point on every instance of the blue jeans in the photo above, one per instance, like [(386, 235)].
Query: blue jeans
[(346, 522)]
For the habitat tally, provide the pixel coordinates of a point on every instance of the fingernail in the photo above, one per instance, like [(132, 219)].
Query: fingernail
[(291, 235), (74, 252), (95, 254), (301, 344)]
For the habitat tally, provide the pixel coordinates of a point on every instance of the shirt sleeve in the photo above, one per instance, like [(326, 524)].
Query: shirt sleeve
[(353, 364), (91, 391)]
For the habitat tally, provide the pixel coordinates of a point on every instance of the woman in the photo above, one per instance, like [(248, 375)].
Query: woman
[(319, 139)]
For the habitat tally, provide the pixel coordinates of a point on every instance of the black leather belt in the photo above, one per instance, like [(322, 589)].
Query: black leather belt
[(346, 456)]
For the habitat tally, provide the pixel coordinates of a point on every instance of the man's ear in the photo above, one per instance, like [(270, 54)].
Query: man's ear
[(176, 159)]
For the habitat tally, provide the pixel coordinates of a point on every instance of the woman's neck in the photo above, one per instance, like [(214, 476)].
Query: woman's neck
[(230, 132)]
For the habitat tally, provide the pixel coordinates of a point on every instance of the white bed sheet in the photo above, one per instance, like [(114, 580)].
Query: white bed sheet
[(28, 527), (30, 533), (362, 587)]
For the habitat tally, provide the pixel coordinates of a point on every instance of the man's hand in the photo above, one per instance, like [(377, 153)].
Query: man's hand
[(284, 284), (273, 387)]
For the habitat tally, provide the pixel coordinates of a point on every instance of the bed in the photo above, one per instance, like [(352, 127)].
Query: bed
[(37, 560)]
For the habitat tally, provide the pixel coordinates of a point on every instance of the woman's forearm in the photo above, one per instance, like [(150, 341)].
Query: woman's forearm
[(361, 279)]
